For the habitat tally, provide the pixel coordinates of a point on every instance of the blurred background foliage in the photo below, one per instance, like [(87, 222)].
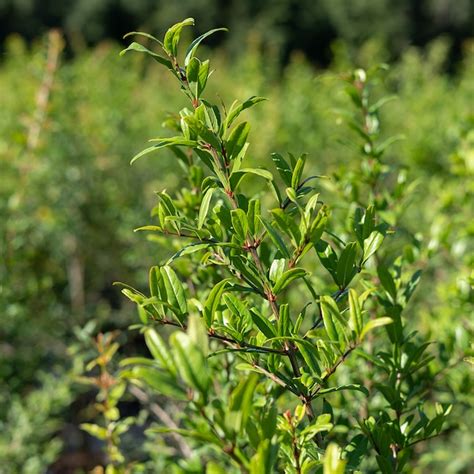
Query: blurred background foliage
[(309, 26), (73, 113)]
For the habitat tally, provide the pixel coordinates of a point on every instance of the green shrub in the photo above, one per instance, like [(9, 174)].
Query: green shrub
[(280, 329)]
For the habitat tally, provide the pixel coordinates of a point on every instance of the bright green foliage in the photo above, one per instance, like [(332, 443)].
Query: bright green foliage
[(68, 203), (278, 357)]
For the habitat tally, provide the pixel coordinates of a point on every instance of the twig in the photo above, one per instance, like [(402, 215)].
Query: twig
[(225, 339), (161, 414)]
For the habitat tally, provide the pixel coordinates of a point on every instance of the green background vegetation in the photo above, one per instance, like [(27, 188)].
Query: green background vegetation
[(69, 200)]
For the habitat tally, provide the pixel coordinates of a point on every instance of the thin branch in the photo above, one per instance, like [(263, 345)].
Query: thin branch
[(332, 370), (163, 416), (225, 339), (274, 378)]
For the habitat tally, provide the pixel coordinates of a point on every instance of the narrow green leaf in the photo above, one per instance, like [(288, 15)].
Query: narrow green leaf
[(351, 386), (346, 265), (283, 168), (190, 361), (163, 143), (276, 238), (253, 216), (240, 403), (203, 210), (277, 269), (198, 334), (145, 35), (239, 223), (141, 49), (203, 131), (213, 300), (309, 352), (327, 257), (256, 171), (287, 277), (161, 382), (174, 290), (387, 281), (159, 351), (203, 75), (237, 140), (237, 108), (191, 51), (172, 36), (284, 324), (330, 312), (263, 324), (375, 323), (372, 244), (298, 171), (355, 312)]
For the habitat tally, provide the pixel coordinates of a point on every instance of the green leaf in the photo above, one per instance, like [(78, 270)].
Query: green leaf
[(256, 171), (145, 35), (276, 238), (159, 351), (287, 224), (163, 143), (253, 216), (213, 300), (375, 323), (283, 168), (263, 324), (203, 210), (188, 250), (203, 75), (206, 437), (298, 171), (309, 352), (237, 140), (161, 382), (200, 129), (284, 324), (96, 431), (190, 361), (387, 281), (172, 36), (330, 313), (327, 257), (239, 223), (345, 267), (192, 71), (333, 464), (236, 109), (174, 290), (351, 386), (198, 334), (242, 319), (372, 244), (412, 284), (287, 277), (141, 49), (355, 312), (240, 403), (276, 269), (368, 225), (191, 51)]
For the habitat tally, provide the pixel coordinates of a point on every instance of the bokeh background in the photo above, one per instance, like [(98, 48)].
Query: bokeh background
[(73, 112)]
